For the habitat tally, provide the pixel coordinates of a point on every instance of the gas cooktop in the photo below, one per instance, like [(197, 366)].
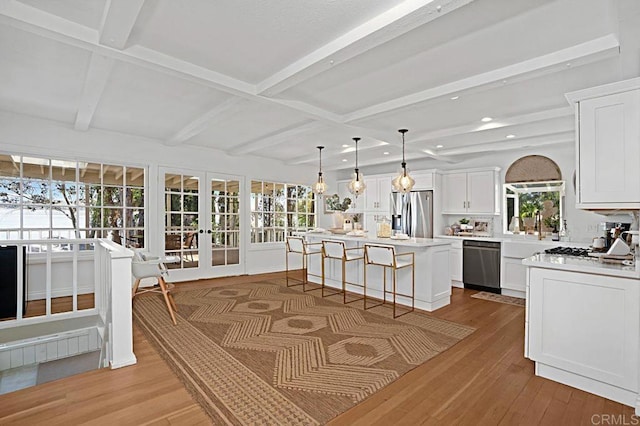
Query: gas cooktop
[(569, 251)]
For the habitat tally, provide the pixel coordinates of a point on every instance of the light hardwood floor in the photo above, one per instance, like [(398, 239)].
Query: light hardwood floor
[(482, 380)]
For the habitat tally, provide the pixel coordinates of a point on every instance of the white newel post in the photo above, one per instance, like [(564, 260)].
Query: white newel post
[(121, 333)]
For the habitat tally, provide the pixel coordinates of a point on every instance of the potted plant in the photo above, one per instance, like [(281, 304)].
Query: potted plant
[(464, 224), (333, 204)]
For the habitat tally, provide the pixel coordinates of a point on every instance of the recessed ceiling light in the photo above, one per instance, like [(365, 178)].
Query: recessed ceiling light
[(511, 136), (345, 146), (486, 119), (453, 98), (439, 146), (386, 153), (344, 160)]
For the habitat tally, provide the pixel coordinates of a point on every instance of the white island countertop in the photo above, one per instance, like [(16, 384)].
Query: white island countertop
[(411, 242), (587, 265)]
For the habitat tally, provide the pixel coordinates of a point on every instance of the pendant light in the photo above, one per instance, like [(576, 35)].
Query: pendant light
[(320, 187), (403, 182), (357, 186)]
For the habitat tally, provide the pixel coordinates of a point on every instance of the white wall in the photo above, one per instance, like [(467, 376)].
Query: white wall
[(583, 225), (27, 135)]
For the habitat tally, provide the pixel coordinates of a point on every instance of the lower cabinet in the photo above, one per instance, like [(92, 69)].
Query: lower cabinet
[(513, 274), (582, 330)]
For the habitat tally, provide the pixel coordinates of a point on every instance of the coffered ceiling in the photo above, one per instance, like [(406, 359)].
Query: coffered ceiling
[(277, 78)]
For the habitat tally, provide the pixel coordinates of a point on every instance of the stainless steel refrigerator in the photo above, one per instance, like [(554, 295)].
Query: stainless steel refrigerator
[(412, 213)]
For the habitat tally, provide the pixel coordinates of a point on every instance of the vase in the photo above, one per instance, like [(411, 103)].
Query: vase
[(338, 219)]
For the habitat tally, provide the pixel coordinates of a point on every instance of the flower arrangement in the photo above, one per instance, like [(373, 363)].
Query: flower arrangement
[(334, 203)]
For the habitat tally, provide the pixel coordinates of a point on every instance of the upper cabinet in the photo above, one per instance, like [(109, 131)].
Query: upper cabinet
[(608, 146), (424, 180), (471, 192), (377, 195)]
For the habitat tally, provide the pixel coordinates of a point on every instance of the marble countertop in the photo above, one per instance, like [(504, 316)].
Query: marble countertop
[(587, 265), (411, 242), (519, 239)]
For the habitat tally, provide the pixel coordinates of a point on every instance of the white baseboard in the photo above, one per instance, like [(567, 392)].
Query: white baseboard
[(59, 292), (514, 293), (605, 390)]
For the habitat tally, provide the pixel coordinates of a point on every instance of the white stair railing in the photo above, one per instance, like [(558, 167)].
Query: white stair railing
[(55, 270), (113, 278)]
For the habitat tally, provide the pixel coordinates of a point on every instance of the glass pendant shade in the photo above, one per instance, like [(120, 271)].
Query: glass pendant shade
[(403, 182), (357, 185), (320, 187)]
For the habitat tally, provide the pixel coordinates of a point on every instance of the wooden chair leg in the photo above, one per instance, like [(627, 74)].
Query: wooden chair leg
[(134, 290), (166, 294), (173, 302)]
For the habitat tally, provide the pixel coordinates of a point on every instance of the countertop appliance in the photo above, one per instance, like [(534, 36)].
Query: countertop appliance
[(412, 213), (609, 236), (481, 265)]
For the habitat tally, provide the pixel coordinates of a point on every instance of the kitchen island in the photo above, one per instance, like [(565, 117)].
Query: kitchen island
[(432, 283), (582, 324)]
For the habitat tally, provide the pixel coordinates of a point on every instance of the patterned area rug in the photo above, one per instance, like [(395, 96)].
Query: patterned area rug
[(499, 298), (262, 353)]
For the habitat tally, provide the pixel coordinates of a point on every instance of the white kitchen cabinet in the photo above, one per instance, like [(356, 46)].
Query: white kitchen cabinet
[(608, 146), (471, 192), (377, 194), (582, 330), (455, 263), (424, 180), (513, 274)]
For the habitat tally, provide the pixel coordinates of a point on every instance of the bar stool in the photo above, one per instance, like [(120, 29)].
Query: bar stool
[(385, 256), (297, 245), (337, 250)]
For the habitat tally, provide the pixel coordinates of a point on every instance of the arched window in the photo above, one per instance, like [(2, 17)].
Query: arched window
[(533, 184)]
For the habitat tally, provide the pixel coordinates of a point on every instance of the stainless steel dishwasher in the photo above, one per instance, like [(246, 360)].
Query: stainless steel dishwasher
[(481, 265)]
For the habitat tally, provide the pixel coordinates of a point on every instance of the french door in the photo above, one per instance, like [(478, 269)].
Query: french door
[(202, 227)]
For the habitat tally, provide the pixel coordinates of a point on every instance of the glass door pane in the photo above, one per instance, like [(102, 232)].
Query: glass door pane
[(182, 213), (225, 222)]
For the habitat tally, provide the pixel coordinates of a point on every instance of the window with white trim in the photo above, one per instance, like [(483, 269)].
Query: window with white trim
[(279, 209), (42, 198)]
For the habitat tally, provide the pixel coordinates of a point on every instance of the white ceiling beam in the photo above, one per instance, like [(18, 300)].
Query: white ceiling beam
[(396, 21), (310, 158), (279, 137), (513, 144), (227, 108), (505, 122), (95, 81), (117, 22), (582, 53)]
